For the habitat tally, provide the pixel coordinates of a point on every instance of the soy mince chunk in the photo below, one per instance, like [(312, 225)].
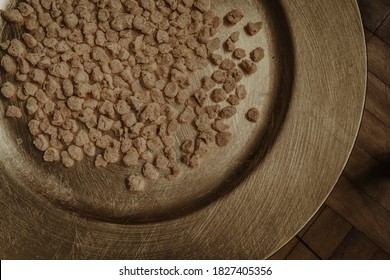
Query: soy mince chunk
[(253, 115), (252, 28), (234, 16), (227, 112)]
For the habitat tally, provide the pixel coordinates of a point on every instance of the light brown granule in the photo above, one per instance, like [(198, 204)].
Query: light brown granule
[(13, 16), (89, 149), (67, 161), (182, 96), (81, 138), (13, 112), (248, 66), (252, 28), (218, 95), (219, 126), (253, 115), (213, 44), (227, 64), (8, 89), (140, 144), (216, 59), (202, 5), (41, 142), (136, 183), (235, 36), (155, 144), (188, 146), (257, 54), (171, 89), (111, 154), (51, 154), (187, 115), (219, 76), (234, 16), (233, 100), (207, 83), (236, 74), (201, 96), (229, 86), (229, 45), (239, 53), (222, 139), (173, 127), (194, 161), (161, 161), (227, 112), (16, 48), (32, 105), (76, 152), (212, 111), (131, 157), (100, 162), (176, 171), (104, 123), (150, 172), (201, 148), (241, 92), (8, 64)]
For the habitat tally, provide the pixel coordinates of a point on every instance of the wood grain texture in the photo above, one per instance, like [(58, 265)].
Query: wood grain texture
[(283, 252), (302, 232), (374, 137), (383, 31), (374, 12), (381, 255), (323, 87), (367, 34), (365, 172), (301, 252), (326, 233), (378, 55), (355, 246), (378, 99), (361, 211), (370, 175)]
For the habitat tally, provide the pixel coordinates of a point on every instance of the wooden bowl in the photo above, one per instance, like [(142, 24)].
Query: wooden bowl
[(246, 200)]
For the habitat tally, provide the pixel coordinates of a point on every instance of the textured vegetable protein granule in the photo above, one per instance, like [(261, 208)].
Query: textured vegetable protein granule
[(111, 79)]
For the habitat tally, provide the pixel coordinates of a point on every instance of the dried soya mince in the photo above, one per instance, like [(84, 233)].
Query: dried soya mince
[(253, 115), (253, 28), (111, 79), (234, 16), (257, 54), (13, 112)]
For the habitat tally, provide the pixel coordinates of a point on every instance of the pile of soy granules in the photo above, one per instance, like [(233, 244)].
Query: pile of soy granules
[(111, 79)]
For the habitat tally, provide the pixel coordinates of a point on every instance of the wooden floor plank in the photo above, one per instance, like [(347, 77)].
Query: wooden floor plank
[(301, 252), (302, 232), (381, 255), (374, 137), (384, 31), (378, 55), (370, 175), (283, 252), (367, 34), (378, 99), (326, 233), (362, 196), (373, 12), (355, 246), (361, 211)]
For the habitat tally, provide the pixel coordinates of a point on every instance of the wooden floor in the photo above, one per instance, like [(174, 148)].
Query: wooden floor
[(354, 223)]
